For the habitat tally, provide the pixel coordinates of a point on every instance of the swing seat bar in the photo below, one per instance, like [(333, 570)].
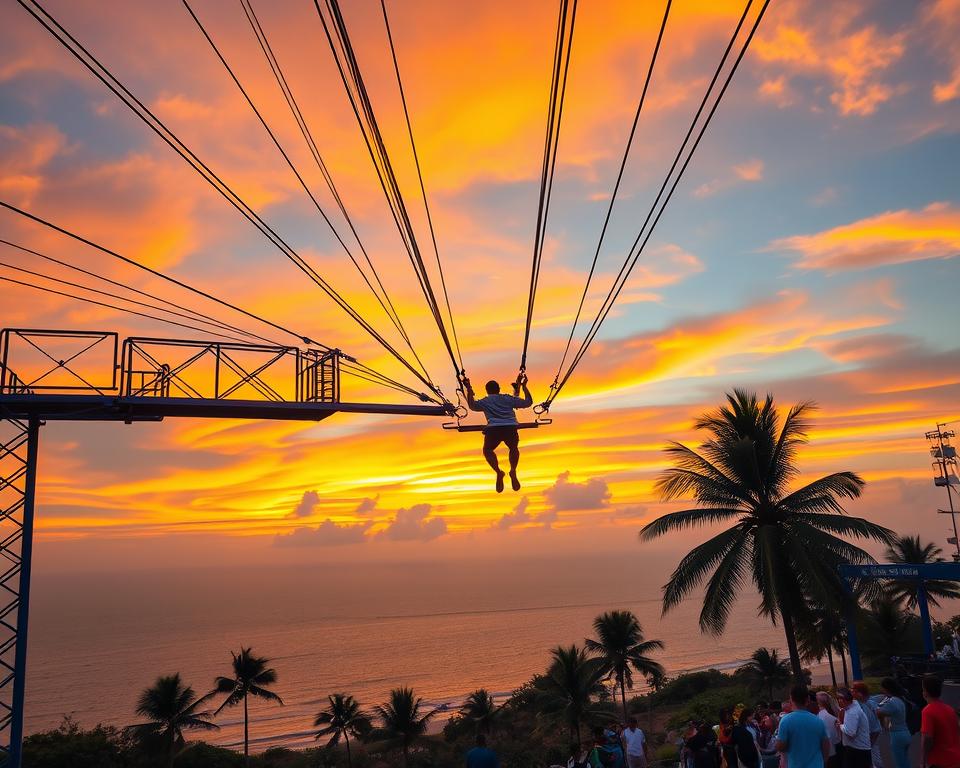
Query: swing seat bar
[(453, 425)]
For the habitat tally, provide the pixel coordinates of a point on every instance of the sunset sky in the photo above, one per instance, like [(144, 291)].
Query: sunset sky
[(810, 251)]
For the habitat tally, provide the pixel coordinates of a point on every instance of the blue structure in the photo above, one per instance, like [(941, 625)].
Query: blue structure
[(919, 573)]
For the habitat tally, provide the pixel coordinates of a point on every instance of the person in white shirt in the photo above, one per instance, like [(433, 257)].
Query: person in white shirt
[(501, 424), (828, 713), (854, 732), (636, 744)]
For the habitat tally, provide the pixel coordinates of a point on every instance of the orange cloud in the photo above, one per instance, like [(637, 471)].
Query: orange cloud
[(893, 237), (852, 56)]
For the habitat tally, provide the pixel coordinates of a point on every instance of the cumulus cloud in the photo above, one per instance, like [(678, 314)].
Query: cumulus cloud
[(564, 496), (307, 504), (415, 524), (853, 58), (366, 506), (327, 534), (518, 516), (892, 237)]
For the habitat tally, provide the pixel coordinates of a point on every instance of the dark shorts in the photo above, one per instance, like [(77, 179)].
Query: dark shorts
[(493, 436)]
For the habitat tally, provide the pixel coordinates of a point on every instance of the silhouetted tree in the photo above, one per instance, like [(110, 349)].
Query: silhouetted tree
[(479, 709), (172, 708), (786, 542), (251, 677), (621, 646), (767, 670), (569, 687), (909, 550), (342, 717), (402, 719)]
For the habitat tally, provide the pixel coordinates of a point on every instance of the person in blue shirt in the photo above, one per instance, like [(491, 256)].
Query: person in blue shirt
[(481, 756), (802, 735)]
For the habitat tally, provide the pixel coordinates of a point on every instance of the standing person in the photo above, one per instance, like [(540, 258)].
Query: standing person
[(501, 424), (854, 731), (728, 750), (481, 756), (802, 736), (702, 746), (892, 708), (828, 714), (940, 734), (862, 694), (636, 744), (745, 742)]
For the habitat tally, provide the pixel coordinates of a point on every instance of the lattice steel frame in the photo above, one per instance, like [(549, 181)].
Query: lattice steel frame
[(18, 480)]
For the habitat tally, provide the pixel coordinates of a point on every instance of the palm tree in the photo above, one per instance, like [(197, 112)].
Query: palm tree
[(786, 542), (171, 707), (480, 709), (909, 550), (251, 676), (568, 688), (767, 669), (342, 717), (402, 719), (823, 633), (621, 646)]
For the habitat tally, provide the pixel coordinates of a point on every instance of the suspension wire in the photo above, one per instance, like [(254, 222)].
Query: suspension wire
[(423, 190), (616, 190), (113, 306), (186, 286), (346, 61), (109, 294), (187, 313), (558, 86), (162, 276), (637, 248), (103, 74), (357, 370), (383, 304), (281, 79)]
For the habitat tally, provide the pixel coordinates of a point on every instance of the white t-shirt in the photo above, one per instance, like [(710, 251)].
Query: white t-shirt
[(634, 739), (855, 731), (498, 408), (830, 723)]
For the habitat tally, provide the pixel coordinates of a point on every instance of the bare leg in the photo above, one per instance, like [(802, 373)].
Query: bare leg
[(514, 460), (491, 457)]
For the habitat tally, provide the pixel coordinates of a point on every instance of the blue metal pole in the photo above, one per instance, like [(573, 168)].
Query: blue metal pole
[(23, 607), (851, 622), (924, 617)]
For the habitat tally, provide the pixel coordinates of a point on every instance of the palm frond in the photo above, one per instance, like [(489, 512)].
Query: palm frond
[(812, 496), (695, 565), (723, 587), (688, 518)]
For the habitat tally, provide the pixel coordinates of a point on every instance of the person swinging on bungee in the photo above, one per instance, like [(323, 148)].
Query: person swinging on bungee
[(501, 423)]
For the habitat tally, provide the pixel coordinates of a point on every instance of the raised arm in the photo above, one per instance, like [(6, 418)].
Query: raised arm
[(468, 391), (521, 383)]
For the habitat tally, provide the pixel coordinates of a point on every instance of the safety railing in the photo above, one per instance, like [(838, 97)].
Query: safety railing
[(96, 363)]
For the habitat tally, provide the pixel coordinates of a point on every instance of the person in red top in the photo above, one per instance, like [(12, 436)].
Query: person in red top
[(939, 728)]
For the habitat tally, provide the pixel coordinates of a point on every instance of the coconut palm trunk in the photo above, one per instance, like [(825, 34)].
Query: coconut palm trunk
[(833, 672), (623, 697), (246, 732), (843, 661), (346, 741), (786, 616)]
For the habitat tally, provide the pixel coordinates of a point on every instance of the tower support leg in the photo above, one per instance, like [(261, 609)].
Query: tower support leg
[(18, 482)]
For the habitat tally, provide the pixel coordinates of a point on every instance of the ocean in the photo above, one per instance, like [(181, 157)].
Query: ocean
[(444, 629)]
